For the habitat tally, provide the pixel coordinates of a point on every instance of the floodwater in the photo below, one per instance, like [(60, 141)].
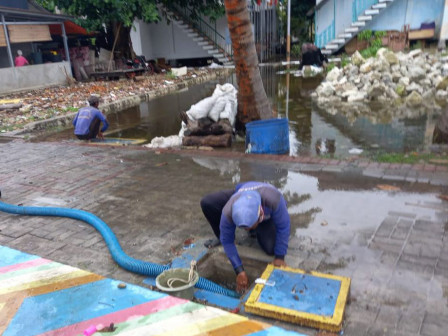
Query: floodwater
[(334, 219), (371, 129)]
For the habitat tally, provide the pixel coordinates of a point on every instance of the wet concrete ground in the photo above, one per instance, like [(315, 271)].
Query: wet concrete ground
[(390, 242)]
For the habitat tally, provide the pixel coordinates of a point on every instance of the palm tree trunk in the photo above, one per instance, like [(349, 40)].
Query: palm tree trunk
[(253, 104)]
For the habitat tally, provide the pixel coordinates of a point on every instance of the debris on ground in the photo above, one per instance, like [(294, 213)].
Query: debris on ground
[(46, 103), (387, 187)]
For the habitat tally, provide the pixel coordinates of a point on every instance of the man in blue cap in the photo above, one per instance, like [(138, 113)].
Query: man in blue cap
[(256, 207), (88, 119)]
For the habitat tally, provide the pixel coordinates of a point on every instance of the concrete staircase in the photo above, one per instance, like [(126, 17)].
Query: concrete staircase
[(356, 27), (204, 35)]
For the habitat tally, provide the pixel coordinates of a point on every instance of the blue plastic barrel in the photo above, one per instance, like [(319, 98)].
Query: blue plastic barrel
[(269, 136)]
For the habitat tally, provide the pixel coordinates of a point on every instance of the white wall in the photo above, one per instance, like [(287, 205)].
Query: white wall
[(33, 76), (163, 40), (324, 16), (343, 16), (412, 12)]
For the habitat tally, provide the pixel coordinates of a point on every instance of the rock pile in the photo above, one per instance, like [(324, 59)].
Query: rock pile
[(412, 80)]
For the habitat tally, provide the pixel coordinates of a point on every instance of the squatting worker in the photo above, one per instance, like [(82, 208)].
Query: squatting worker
[(88, 119), (257, 207)]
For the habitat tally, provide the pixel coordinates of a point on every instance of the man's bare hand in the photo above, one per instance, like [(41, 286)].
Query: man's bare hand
[(279, 263), (242, 282), (100, 135)]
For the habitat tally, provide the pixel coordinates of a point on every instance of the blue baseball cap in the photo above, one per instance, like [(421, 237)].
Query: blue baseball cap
[(245, 209)]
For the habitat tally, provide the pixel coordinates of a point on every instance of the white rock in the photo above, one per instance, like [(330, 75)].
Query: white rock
[(356, 96), (357, 59), (404, 81), (441, 95), (414, 87), (334, 75), (416, 73), (415, 52)]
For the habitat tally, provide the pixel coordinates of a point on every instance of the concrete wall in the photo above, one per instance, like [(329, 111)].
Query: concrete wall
[(412, 12), (397, 14), (343, 15), (324, 16), (163, 40), (33, 76)]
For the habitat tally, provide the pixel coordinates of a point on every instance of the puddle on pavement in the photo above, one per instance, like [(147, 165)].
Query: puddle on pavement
[(333, 217), (369, 128)]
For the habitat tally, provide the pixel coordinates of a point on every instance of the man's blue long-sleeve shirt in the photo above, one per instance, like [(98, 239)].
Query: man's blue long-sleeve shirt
[(274, 207), (84, 118)]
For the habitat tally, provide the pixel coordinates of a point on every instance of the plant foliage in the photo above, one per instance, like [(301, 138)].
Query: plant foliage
[(93, 14)]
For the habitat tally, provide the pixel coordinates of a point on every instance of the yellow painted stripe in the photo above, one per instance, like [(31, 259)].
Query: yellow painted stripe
[(206, 326), (54, 277), (36, 276), (176, 322)]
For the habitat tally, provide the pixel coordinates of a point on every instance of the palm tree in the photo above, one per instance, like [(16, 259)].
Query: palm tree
[(253, 104)]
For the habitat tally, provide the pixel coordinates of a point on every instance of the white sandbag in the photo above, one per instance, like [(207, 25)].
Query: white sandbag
[(217, 108), (222, 102), (229, 112), (178, 72), (201, 109), (165, 142)]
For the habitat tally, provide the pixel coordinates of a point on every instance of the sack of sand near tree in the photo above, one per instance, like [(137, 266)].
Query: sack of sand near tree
[(440, 135), (211, 118)]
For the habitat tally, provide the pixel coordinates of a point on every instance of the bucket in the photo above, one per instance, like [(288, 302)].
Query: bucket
[(269, 136), (180, 288)]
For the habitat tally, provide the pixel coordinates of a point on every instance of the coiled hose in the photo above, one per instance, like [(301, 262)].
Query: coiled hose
[(120, 257)]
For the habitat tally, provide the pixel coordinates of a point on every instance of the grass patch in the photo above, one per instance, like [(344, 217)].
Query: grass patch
[(411, 158)]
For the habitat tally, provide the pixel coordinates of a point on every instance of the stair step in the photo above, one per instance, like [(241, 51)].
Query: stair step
[(338, 41), (345, 35), (383, 1), (218, 55), (332, 46), (364, 18), (223, 60), (183, 26), (326, 52), (203, 43), (189, 31), (208, 47), (358, 24), (351, 30), (213, 51), (193, 35), (198, 39), (372, 11), (379, 6)]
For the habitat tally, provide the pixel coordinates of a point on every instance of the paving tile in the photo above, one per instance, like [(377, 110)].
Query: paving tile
[(434, 325)]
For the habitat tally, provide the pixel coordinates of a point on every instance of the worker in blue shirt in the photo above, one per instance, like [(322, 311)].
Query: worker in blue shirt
[(88, 119), (257, 207)]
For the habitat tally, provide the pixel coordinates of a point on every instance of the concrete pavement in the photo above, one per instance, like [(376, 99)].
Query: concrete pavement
[(382, 225)]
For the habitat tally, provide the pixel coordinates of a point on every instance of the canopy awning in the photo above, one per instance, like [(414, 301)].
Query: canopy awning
[(71, 28)]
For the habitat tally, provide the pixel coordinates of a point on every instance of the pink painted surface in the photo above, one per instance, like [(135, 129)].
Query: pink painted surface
[(118, 317), (24, 265)]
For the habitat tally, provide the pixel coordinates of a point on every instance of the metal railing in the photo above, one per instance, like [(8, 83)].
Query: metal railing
[(204, 28), (326, 36), (360, 6)]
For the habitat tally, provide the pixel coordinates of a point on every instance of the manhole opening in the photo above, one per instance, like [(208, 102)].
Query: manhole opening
[(217, 268)]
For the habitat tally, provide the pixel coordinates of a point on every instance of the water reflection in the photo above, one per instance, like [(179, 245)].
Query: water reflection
[(388, 129)]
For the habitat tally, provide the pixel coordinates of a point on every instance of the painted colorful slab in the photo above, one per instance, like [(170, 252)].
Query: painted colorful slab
[(306, 298), (42, 297), (118, 141)]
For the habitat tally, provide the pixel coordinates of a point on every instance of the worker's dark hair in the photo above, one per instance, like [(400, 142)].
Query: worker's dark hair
[(94, 100)]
